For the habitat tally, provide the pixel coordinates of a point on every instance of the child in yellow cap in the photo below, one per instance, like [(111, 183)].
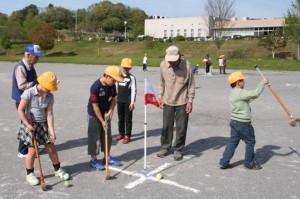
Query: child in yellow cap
[(241, 127), (101, 104), (126, 98), (36, 113)]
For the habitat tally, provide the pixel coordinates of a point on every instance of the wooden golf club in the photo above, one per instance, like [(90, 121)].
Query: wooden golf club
[(107, 171), (294, 121), (43, 184)]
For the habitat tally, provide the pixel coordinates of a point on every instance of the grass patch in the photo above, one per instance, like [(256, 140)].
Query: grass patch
[(241, 54)]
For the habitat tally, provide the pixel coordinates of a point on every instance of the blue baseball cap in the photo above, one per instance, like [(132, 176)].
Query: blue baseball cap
[(33, 49)]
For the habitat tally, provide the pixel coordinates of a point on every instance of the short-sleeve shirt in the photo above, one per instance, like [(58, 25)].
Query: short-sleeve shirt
[(37, 105), (102, 95)]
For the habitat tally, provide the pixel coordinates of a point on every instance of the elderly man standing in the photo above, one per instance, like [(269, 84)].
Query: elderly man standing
[(176, 94), (24, 76)]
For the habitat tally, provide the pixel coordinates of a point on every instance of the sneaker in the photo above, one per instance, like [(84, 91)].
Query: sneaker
[(32, 179), (62, 174), (163, 153), (126, 140), (20, 155), (97, 165), (178, 155), (256, 166), (228, 166), (112, 161), (120, 137)]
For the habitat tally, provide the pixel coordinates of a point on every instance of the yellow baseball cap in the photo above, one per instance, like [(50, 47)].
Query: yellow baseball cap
[(114, 72), (126, 63), (235, 76), (48, 80)]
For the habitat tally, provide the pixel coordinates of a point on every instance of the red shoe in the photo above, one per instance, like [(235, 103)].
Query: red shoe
[(126, 140), (119, 137)]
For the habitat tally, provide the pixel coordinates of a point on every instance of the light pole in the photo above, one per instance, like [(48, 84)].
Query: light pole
[(125, 23), (76, 22)]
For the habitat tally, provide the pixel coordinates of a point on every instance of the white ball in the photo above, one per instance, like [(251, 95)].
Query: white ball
[(159, 176)]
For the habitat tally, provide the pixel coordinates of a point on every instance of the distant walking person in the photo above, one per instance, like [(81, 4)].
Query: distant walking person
[(221, 64), (240, 123), (24, 76), (176, 94), (125, 103), (208, 65), (145, 60)]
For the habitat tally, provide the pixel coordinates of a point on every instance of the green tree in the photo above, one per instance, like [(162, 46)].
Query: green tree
[(292, 24), (15, 30), (29, 24), (44, 35), (3, 19), (20, 16), (6, 43), (59, 17), (273, 41)]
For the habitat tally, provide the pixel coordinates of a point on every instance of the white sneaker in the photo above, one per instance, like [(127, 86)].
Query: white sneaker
[(20, 155), (32, 179), (62, 174)]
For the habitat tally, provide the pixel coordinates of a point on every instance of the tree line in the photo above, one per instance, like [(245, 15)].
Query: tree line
[(99, 18)]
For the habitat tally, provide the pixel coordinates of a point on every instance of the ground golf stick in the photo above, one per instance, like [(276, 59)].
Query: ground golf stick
[(107, 171), (294, 121), (43, 184)]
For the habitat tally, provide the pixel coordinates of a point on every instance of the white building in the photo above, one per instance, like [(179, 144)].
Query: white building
[(172, 27), (201, 26), (253, 27)]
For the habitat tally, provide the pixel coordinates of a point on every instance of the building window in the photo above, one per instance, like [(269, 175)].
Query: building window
[(165, 31), (192, 34), (184, 30), (192, 30), (184, 34), (199, 30)]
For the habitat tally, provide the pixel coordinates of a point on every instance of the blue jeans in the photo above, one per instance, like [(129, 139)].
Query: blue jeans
[(240, 131)]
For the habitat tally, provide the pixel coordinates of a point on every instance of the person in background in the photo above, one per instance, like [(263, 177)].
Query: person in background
[(195, 69), (221, 64), (24, 76), (125, 101), (145, 60), (224, 64)]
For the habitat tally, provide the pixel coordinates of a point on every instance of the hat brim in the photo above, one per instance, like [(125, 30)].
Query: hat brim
[(172, 57), (118, 78), (39, 54), (126, 66)]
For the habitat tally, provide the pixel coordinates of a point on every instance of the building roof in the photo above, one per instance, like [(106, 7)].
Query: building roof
[(279, 22)]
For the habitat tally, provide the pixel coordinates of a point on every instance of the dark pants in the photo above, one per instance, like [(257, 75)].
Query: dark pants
[(96, 136), (144, 67), (207, 68), (125, 118), (22, 147), (240, 131), (179, 114)]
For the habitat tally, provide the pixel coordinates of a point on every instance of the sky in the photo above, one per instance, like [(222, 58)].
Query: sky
[(167, 8)]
